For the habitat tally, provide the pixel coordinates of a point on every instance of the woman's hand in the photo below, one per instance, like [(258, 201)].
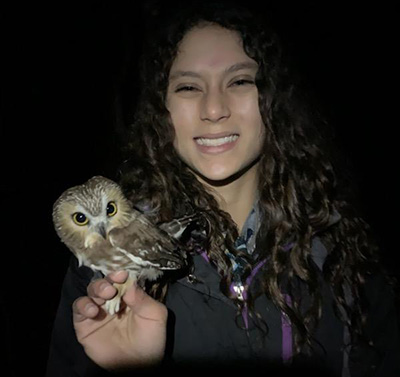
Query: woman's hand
[(134, 337)]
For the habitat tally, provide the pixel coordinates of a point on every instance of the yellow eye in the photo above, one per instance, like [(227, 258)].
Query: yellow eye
[(80, 219), (111, 209)]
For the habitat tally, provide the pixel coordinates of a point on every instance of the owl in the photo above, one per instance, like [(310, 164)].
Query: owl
[(105, 233)]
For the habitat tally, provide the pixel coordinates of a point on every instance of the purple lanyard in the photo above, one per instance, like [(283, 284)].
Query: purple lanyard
[(287, 336)]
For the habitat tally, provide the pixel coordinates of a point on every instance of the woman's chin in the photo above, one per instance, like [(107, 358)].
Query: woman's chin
[(219, 175), (216, 178)]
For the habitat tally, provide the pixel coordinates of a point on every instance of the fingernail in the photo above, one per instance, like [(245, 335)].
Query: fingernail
[(118, 273), (104, 286), (90, 308)]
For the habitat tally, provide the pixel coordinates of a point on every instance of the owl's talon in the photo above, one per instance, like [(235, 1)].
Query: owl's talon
[(113, 306)]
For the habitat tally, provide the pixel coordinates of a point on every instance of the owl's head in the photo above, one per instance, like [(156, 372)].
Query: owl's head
[(84, 215)]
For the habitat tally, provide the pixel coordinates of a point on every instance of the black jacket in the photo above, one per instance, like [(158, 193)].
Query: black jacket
[(204, 331)]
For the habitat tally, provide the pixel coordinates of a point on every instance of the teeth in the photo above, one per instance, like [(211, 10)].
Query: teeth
[(216, 142)]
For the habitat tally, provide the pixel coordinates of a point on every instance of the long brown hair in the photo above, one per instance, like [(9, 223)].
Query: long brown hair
[(299, 187)]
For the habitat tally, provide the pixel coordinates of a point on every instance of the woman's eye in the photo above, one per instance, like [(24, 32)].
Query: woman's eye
[(111, 209), (242, 82), (186, 88)]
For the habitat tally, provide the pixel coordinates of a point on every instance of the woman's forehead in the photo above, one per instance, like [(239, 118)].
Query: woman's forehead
[(210, 46)]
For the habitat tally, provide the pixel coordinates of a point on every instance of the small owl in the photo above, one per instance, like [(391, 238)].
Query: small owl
[(99, 225)]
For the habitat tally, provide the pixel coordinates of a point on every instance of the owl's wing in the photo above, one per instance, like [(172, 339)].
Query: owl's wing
[(144, 243), (176, 227)]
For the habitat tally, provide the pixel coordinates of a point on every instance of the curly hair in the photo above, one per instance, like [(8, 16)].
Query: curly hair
[(299, 184)]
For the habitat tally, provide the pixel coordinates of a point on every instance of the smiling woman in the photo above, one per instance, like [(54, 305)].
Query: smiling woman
[(284, 272), (213, 103)]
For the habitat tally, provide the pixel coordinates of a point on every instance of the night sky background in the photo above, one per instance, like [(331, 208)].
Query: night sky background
[(60, 64)]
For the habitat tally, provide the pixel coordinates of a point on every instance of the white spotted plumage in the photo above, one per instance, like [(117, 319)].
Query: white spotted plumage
[(105, 233)]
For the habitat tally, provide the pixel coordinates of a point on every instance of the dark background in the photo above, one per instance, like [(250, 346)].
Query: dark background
[(61, 62)]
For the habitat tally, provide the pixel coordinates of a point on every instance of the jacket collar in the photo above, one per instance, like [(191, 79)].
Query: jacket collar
[(206, 278)]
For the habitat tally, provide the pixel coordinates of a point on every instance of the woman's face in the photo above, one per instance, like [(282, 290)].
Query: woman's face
[(213, 103)]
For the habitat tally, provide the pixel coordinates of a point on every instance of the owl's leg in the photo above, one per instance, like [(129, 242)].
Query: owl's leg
[(114, 305)]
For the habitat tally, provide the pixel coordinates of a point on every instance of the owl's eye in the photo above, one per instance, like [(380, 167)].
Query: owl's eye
[(111, 209), (80, 219)]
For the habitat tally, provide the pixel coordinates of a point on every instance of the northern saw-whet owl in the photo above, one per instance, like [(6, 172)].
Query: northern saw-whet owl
[(105, 233)]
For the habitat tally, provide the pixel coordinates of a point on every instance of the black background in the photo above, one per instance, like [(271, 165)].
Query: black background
[(60, 64)]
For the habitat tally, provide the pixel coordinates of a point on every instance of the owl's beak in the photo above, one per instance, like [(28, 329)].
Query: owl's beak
[(102, 230)]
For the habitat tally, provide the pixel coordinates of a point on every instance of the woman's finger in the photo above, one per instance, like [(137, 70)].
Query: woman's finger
[(143, 305), (84, 308), (101, 289), (119, 277)]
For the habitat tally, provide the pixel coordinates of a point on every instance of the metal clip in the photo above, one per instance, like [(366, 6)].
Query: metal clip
[(191, 279), (239, 289)]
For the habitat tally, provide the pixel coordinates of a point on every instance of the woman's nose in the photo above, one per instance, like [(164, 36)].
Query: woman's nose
[(215, 106)]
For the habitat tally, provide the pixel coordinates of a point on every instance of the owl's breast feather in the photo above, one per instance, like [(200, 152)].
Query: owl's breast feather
[(92, 239)]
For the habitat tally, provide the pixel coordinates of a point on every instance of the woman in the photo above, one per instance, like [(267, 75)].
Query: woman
[(289, 276)]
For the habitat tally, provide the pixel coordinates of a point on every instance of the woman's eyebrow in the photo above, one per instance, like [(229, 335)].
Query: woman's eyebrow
[(178, 74), (242, 65), (233, 68)]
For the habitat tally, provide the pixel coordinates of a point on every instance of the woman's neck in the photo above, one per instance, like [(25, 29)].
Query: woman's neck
[(237, 197)]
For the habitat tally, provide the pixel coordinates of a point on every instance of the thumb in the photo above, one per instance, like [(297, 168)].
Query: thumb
[(143, 305)]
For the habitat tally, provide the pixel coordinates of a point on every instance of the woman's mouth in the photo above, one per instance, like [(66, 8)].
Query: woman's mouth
[(214, 144)]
